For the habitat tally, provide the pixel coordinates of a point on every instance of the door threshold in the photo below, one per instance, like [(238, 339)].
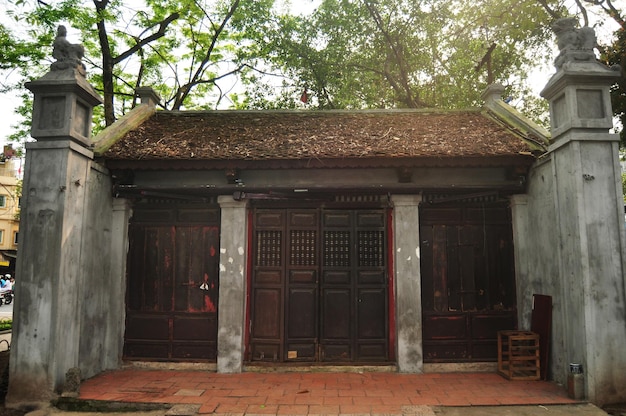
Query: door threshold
[(169, 365), (459, 367), (318, 368)]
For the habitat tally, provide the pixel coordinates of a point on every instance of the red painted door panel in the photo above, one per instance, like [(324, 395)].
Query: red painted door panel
[(172, 293)]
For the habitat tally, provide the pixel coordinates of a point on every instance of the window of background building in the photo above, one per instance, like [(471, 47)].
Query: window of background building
[(3, 201), (15, 238)]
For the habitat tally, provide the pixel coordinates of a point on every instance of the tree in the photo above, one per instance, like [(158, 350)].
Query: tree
[(16, 62), (12, 52), (135, 46), (347, 54), (155, 43), (615, 54), (407, 53)]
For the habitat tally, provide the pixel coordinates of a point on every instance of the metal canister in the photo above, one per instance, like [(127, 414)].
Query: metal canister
[(575, 368)]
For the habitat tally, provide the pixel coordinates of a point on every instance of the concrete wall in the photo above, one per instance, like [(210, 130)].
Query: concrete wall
[(537, 251), (70, 308), (102, 302), (569, 245), (592, 229), (570, 236)]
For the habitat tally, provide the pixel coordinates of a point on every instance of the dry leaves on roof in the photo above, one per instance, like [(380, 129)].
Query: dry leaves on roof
[(264, 135)]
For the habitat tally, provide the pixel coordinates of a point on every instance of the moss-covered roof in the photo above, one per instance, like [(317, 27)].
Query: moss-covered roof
[(304, 135)]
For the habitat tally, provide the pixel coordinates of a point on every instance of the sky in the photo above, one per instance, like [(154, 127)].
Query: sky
[(8, 102)]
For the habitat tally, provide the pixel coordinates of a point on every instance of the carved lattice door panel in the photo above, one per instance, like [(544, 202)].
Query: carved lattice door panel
[(319, 286)]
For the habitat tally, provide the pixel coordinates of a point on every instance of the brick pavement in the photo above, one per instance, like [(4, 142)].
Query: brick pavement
[(317, 393)]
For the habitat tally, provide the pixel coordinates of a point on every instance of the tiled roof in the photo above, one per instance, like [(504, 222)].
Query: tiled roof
[(316, 135)]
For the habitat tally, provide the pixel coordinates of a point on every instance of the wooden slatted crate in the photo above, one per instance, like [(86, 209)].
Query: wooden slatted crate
[(518, 355)]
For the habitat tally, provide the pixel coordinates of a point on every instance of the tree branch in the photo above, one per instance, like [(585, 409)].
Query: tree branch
[(609, 9), (583, 11), (403, 85), (184, 90), (553, 13), (107, 64), (158, 34)]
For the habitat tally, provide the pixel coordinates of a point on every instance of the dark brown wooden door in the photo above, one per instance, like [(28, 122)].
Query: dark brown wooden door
[(172, 292), (468, 280), (319, 286)]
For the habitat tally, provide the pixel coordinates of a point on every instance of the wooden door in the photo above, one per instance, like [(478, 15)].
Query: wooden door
[(172, 292), (319, 286), (468, 280), (354, 312)]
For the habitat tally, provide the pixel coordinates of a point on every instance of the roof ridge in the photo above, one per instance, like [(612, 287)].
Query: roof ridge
[(129, 121), (307, 112)]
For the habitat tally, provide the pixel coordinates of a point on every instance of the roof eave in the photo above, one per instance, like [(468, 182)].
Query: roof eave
[(521, 159)]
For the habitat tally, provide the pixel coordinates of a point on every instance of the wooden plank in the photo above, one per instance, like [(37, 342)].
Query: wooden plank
[(541, 323), (427, 267), (454, 285), (440, 269)]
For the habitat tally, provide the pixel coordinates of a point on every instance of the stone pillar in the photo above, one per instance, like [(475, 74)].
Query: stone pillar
[(116, 309), (408, 294), (47, 318), (521, 245), (590, 219), (232, 284)]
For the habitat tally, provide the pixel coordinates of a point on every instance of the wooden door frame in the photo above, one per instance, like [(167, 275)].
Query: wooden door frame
[(172, 216), (457, 335), (389, 270)]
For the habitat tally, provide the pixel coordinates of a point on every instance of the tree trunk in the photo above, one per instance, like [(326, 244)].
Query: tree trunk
[(107, 65)]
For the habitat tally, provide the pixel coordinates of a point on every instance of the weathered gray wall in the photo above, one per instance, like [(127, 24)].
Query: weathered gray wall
[(408, 294), (537, 251), (232, 295), (592, 227), (570, 236), (63, 271), (569, 245), (102, 304), (69, 307)]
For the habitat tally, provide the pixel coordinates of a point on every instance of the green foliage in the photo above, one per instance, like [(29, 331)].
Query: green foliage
[(6, 324), (624, 185), (14, 53), (182, 48), (407, 53), (615, 54)]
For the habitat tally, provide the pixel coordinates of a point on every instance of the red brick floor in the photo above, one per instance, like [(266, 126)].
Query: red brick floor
[(317, 393)]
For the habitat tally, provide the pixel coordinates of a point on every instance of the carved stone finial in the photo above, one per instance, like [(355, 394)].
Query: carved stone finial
[(574, 44), (67, 55)]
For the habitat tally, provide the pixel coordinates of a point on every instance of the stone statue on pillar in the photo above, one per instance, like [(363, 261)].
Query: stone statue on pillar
[(575, 44), (64, 99), (68, 55)]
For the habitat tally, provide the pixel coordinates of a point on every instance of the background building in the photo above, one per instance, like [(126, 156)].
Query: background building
[(10, 194)]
